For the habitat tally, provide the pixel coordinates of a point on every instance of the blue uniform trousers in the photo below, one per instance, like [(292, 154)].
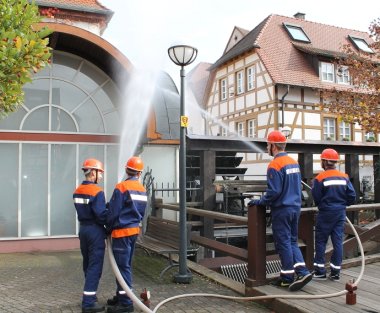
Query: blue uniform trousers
[(123, 249), (92, 246), (328, 224), (285, 235)]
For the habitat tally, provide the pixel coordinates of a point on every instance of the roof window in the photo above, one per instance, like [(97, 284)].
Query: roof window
[(296, 32), (361, 44)]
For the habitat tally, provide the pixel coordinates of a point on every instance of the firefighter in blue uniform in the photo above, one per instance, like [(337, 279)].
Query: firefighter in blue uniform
[(90, 204), (127, 209), (332, 192), (283, 195)]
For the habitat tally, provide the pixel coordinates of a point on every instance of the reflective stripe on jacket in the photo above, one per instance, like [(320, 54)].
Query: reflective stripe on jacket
[(284, 183), (90, 203), (127, 208), (332, 190)]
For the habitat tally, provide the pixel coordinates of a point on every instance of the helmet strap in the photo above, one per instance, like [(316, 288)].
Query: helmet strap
[(96, 177), (271, 153)]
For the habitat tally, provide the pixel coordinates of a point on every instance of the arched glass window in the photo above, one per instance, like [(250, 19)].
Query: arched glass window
[(72, 96)]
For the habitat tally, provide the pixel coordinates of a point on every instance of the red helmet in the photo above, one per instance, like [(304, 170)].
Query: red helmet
[(92, 164), (135, 164), (276, 136), (330, 155)]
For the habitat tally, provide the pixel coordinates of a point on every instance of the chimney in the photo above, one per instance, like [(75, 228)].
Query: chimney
[(299, 15)]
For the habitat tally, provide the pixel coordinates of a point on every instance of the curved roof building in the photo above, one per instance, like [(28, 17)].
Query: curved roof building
[(79, 107)]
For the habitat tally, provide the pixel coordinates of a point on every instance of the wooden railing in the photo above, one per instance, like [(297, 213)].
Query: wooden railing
[(256, 253)]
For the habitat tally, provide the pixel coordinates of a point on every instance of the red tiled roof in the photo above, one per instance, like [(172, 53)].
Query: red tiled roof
[(197, 79), (81, 5), (285, 63), (285, 58)]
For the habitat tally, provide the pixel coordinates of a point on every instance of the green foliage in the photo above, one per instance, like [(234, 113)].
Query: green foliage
[(23, 50)]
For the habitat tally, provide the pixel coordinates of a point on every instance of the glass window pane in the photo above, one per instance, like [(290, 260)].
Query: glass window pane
[(9, 189), (297, 33), (34, 190), (88, 118), (362, 45), (62, 211), (37, 120), (93, 74), (112, 121), (36, 93), (67, 95), (61, 121), (13, 120), (65, 65), (45, 72), (113, 172)]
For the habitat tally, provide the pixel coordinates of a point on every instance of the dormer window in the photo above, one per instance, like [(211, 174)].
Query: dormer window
[(296, 32), (361, 44)]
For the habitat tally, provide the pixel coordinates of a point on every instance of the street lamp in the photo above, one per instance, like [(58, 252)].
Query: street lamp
[(182, 55), (286, 130)]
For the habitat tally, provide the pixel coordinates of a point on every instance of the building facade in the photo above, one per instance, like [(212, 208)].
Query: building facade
[(77, 108), (272, 77)]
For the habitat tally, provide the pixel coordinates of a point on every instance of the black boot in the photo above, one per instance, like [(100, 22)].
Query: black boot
[(120, 308), (113, 301), (96, 307)]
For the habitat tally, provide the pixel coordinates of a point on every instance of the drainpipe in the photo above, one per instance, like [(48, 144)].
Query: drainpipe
[(282, 107)]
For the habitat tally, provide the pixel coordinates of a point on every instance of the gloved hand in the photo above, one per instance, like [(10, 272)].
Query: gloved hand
[(254, 202)]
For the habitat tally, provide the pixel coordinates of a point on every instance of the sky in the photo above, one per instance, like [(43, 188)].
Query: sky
[(143, 30)]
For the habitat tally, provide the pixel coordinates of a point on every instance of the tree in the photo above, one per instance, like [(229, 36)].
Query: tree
[(23, 50), (360, 103)]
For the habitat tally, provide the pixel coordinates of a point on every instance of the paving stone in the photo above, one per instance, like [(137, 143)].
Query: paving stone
[(52, 282)]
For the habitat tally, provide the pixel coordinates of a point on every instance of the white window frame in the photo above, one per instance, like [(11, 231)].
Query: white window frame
[(240, 129), (223, 89), (344, 131), (251, 128), (361, 44), (296, 32), (342, 75), (329, 128), (327, 72), (369, 135), (251, 77), (239, 82)]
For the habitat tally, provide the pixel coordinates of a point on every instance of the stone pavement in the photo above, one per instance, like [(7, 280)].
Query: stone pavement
[(52, 282)]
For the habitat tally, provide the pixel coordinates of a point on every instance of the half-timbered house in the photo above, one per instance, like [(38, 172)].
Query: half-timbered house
[(271, 78)]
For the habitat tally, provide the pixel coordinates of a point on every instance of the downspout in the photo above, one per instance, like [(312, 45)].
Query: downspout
[(282, 107)]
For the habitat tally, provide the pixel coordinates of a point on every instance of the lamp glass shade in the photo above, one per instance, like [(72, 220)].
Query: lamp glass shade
[(286, 131), (182, 55)]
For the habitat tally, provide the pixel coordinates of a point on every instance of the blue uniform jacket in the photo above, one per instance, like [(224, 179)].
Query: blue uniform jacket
[(127, 205), (90, 203), (332, 190), (284, 183)]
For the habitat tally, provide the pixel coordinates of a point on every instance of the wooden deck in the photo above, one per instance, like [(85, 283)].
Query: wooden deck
[(367, 298)]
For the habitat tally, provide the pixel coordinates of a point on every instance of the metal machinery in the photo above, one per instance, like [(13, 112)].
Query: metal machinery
[(230, 186)]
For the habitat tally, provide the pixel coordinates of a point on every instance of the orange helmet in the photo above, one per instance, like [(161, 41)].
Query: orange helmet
[(276, 136), (330, 155), (92, 164), (135, 164)]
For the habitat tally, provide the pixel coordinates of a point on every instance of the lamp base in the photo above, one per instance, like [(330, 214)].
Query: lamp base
[(183, 279)]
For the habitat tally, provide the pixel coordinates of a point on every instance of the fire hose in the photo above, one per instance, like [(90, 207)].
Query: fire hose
[(350, 287)]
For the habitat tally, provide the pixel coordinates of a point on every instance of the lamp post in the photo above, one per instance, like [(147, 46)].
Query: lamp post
[(286, 130), (182, 55)]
